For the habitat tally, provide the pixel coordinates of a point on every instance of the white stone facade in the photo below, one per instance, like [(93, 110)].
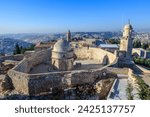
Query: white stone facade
[(62, 55)]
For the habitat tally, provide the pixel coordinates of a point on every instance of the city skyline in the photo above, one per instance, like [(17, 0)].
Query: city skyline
[(44, 16)]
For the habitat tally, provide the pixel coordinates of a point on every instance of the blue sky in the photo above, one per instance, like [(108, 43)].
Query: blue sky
[(46, 16)]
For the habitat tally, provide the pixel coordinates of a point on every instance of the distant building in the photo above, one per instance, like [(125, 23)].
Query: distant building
[(139, 52), (43, 46), (87, 43), (90, 42), (109, 47)]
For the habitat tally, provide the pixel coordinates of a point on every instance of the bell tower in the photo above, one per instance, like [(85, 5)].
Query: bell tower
[(68, 35), (127, 40), (125, 51)]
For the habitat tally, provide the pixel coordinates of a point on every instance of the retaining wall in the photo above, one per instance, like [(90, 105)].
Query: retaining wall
[(17, 57), (94, 53)]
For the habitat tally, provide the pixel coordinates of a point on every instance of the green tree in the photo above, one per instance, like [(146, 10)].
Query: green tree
[(147, 62), (145, 46), (21, 50), (142, 61), (137, 60), (114, 41), (144, 90), (17, 49), (137, 44)]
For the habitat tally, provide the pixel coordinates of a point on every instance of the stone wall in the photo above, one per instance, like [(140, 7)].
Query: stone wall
[(17, 57), (23, 66), (83, 77), (20, 81), (5, 83), (141, 69), (38, 57), (118, 70), (93, 53), (43, 83), (36, 84), (82, 53), (40, 83)]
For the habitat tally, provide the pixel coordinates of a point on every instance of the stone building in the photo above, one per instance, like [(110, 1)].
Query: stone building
[(140, 52), (42, 46), (125, 51), (62, 55), (127, 40), (68, 35), (64, 74), (109, 47)]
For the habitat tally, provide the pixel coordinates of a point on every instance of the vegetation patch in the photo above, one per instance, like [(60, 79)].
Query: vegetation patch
[(129, 90), (21, 50), (142, 61), (144, 89), (138, 44)]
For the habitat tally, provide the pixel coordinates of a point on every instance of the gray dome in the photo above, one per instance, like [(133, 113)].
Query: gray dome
[(62, 45)]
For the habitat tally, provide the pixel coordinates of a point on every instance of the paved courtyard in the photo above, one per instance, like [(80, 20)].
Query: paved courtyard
[(87, 64)]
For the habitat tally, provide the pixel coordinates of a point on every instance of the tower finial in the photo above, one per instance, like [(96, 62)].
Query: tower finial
[(128, 21), (68, 36)]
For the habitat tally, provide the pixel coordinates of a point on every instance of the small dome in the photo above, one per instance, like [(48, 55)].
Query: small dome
[(62, 45), (128, 26)]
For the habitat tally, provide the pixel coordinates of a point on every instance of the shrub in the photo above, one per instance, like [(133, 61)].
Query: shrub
[(144, 90), (129, 91)]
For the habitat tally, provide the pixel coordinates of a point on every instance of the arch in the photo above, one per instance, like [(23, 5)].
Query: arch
[(105, 60)]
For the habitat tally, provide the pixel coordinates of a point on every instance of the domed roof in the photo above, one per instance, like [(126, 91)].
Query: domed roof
[(128, 26), (62, 45)]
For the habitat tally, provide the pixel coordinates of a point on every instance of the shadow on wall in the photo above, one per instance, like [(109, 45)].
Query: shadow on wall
[(106, 60), (114, 92), (137, 70)]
